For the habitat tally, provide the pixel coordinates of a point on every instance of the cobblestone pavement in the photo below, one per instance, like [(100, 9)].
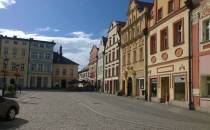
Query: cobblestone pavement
[(53, 110)]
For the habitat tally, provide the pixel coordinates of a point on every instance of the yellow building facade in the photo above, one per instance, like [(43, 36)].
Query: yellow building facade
[(64, 71), (168, 52), (15, 52), (133, 49)]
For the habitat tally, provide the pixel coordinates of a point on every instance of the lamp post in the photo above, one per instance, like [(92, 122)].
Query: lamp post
[(5, 63)]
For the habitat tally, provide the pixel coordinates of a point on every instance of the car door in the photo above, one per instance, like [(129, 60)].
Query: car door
[(2, 106)]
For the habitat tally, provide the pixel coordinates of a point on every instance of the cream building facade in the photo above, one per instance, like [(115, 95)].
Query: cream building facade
[(112, 58), (100, 64), (168, 52), (133, 49)]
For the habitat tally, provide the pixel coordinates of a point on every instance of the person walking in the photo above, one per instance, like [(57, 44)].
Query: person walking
[(20, 89)]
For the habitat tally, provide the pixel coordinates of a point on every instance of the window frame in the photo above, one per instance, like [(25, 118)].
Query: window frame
[(163, 48), (176, 43), (173, 8), (152, 52), (159, 16)]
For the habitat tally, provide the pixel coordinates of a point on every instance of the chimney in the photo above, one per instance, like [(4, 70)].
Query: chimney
[(61, 51)]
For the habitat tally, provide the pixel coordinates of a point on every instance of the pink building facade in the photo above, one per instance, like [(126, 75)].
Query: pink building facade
[(201, 55), (93, 65)]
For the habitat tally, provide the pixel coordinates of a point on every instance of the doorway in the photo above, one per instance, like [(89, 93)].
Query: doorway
[(39, 82), (165, 89), (130, 86), (63, 83)]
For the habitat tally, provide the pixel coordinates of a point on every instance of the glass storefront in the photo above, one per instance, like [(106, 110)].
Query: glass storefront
[(179, 88), (153, 83)]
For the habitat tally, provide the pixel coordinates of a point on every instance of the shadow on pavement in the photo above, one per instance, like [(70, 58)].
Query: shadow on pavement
[(12, 125)]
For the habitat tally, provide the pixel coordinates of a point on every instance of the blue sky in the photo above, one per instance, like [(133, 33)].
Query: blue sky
[(76, 24)]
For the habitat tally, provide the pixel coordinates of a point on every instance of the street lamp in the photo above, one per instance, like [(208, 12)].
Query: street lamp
[(5, 63)]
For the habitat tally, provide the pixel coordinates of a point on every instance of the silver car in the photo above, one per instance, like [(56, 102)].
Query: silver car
[(8, 108)]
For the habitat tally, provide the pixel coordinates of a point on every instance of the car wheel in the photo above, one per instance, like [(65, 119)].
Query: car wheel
[(11, 114)]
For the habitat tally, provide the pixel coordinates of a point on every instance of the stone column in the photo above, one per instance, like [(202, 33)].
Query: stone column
[(126, 86), (133, 85)]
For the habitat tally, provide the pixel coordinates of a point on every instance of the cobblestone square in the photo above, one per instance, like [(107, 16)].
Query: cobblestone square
[(59, 110)]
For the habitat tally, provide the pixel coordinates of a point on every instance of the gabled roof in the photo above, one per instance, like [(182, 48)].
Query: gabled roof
[(94, 46), (118, 23), (59, 59), (104, 40)]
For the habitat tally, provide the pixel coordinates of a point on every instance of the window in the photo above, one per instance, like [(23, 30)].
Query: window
[(24, 43), (34, 55), (113, 55), (41, 55), (22, 67), (179, 88), (13, 67), (153, 83), (134, 56), (113, 38), (14, 52), (109, 72), (64, 72), (15, 42), (178, 33), (153, 44), (110, 57), (164, 40), (71, 71), (48, 67), (41, 45), (170, 6), (118, 53), (48, 56), (40, 67), (117, 71), (23, 52), (206, 30), (57, 71), (141, 53), (113, 72), (128, 58), (5, 51), (33, 67), (160, 13)]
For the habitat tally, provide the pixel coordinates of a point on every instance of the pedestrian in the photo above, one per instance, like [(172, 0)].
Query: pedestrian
[(19, 87)]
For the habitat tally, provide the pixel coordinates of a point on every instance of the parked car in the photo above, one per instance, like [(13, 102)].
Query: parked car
[(8, 108)]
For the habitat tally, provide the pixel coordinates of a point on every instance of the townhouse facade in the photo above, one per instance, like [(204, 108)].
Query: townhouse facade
[(93, 65), (84, 74), (40, 64), (133, 49), (112, 58), (64, 70), (201, 55), (168, 52), (100, 64), (14, 60)]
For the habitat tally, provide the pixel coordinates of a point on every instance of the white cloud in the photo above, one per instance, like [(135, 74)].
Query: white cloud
[(46, 29), (80, 34), (5, 3), (76, 46)]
